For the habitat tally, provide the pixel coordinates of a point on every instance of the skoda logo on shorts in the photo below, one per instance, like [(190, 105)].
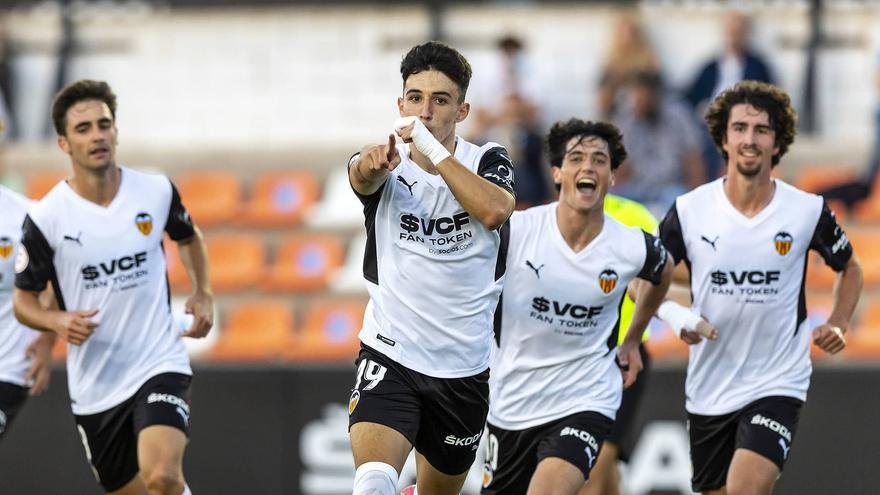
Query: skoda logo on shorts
[(608, 280), (782, 242), (5, 247), (353, 401), (144, 223)]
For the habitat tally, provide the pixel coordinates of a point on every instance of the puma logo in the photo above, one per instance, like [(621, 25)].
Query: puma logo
[(711, 243), (407, 184), (537, 270), (74, 239), (784, 449), (591, 457)]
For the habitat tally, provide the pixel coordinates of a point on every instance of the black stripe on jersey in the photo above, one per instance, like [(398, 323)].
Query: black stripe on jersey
[(371, 206), (179, 224), (501, 261), (497, 321), (167, 283), (496, 167), (830, 241), (615, 332), (671, 235), (41, 267), (655, 259), (802, 298)]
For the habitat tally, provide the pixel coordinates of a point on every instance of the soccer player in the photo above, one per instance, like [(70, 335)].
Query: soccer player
[(97, 237), (434, 265), (555, 386), (25, 355), (744, 239)]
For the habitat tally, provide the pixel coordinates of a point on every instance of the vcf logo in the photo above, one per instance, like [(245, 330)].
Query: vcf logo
[(782, 242), (608, 280), (144, 223), (5, 247)]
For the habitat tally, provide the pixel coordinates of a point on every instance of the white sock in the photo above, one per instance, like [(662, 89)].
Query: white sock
[(186, 490), (375, 478)]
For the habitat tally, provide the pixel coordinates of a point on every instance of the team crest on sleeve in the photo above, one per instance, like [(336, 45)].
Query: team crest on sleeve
[(5, 247), (782, 242), (353, 401), (608, 280), (144, 222)]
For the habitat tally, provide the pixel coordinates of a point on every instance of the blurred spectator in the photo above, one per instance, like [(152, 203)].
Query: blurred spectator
[(663, 144), (628, 52), (737, 62), (852, 193), (508, 114)]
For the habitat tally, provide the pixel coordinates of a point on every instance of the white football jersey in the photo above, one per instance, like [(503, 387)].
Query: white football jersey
[(110, 259), (433, 272), (559, 316), (14, 337), (747, 279)]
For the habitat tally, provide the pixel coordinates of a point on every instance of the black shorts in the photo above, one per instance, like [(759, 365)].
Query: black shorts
[(442, 418), (765, 426), (12, 398), (110, 437), (622, 434), (513, 455)]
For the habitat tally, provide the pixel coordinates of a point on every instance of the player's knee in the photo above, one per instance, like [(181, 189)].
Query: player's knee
[(162, 481), (375, 477)]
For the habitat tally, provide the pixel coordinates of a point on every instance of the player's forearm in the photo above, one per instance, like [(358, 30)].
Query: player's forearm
[(487, 203), (28, 311), (847, 289), (194, 257), (648, 299)]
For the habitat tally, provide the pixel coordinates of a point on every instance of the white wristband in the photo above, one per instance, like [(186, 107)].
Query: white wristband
[(425, 142), (677, 316)]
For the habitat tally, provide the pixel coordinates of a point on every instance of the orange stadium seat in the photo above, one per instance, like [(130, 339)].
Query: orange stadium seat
[(664, 345), (814, 178), (255, 330), (305, 262), (864, 341), (329, 332), (280, 198), (40, 184), (212, 197), (237, 261), (59, 350), (177, 277)]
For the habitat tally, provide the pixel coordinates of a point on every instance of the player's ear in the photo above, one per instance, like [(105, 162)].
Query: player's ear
[(64, 144), (556, 172), (400, 106), (463, 112)]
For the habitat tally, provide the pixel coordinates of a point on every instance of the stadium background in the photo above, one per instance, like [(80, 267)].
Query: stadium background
[(253, 108)]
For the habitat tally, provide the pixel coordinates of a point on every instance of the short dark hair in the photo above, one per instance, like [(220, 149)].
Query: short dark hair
[(438, 56), (562, 132), (763, 96), (74, 93)]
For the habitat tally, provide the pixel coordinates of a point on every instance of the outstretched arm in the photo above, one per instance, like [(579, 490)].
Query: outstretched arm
[(847, 289), (200, 304)]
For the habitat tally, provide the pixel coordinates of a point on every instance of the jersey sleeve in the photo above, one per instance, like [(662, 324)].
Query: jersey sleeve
[(497, 168), (179, 224), (830, 241), (369, 201), (655, 259), (671, 235), (34, 266)]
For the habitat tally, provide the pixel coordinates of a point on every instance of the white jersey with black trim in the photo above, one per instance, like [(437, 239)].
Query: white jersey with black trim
[(433, 272), (559, 317), (747, 279), (14, 337), (110, 259)]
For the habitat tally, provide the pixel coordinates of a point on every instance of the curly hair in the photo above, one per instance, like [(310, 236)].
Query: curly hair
[(765, 97), (562, 132), (76, 92)]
